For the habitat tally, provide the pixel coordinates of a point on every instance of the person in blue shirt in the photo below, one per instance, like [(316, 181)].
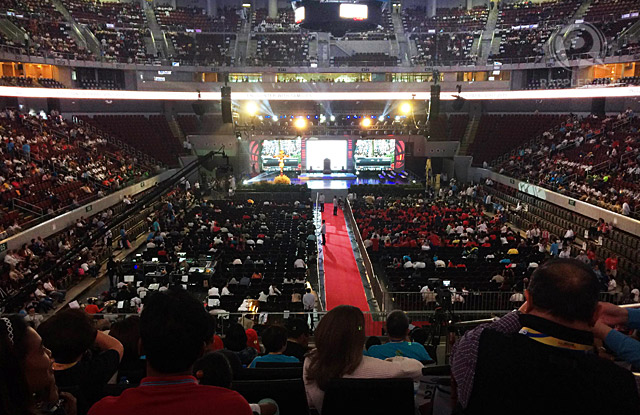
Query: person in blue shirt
[(26, 149), (398, 330), (274, 339), (622, 346), (11, 146), (554, 250)]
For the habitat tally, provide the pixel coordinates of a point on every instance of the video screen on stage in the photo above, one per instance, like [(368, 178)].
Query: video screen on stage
[(271, 150), (319, 150), (375, 154)]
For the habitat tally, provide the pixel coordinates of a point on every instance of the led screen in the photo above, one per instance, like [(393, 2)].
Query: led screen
[(299, 14), (271, 149), (354, 11), (334, 150), (375, 154)]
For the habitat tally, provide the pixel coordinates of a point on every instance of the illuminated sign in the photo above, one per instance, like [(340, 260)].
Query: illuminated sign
[(354, 11), (299, 14)]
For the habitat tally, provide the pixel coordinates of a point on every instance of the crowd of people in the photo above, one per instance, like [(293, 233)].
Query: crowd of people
[(593, 158), (422, 240), (170, 359), (52, 164)]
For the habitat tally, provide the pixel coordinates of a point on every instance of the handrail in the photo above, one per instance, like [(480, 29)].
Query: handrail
[(374, 281), (29, 207)]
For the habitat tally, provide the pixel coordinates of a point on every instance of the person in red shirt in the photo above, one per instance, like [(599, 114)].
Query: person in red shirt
[(611, 265), (91, 308), (173, 333)]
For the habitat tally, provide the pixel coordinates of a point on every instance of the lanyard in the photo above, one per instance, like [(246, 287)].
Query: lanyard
[(553, 341)]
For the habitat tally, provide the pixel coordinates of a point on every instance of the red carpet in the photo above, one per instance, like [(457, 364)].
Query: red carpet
[(341, 276)]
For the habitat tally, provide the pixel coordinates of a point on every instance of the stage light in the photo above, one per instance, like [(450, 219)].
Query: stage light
[(332, 118), (366, 122), (275, 118), (300, 123), (405, 108), (251, 108), (260, 117), (397, 118)]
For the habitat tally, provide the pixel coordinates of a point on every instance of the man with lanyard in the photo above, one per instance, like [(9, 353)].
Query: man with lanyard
[(539, 359)]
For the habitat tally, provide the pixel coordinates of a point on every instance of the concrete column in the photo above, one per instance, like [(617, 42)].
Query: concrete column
[(431, 8), (273, 8), (173, 4), (212, 8), (469, 4)]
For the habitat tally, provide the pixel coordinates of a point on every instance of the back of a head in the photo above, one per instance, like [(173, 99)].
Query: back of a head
[(296, 327), (566, 288), (173, 330), (235, 338), (127, 332), (213, 369), (274, 339), (339, 339), (397, 324), (68, 334)]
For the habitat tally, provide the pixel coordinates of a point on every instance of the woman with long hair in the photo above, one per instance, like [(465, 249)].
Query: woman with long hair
[(27, 384), (340, 340)]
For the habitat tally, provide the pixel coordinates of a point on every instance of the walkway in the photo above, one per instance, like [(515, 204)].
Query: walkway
[(342, 281)]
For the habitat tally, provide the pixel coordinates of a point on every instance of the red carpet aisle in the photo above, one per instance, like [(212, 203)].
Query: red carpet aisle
[(341, 276)]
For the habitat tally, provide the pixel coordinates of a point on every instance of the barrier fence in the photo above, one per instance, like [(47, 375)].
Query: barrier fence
[(480, 302)]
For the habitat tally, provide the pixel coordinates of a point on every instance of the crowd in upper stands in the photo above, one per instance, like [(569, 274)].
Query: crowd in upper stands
[(450, 37), (595, 159), (53, 164)]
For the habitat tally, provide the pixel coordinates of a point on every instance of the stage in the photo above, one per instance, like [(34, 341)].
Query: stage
[(335, 180)]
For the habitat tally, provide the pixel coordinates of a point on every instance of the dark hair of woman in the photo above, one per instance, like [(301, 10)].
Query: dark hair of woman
[(339, 341)]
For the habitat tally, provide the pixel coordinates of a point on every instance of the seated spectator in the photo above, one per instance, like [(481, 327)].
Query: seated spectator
[(545, 342), (132, 367), (26, 380), (215, 369), (274, 339), (69, 335), (236, 341), (340, 340), (398, 330), (173, 332), (297, 338)]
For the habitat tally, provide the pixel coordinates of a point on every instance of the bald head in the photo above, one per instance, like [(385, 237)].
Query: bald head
[(565, 288)]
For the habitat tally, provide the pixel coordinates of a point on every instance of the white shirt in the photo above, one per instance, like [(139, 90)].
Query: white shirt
[(299, 263), (517, 298), (274, 290), (309, 301), (626, 210), (237, 261), (263, 297), (213, 291), (225, 291), (569, 234), (440, 264)]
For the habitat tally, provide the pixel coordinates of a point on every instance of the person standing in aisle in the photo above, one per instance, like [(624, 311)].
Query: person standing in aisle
[(321, 200), (324, 232), (335, 206)]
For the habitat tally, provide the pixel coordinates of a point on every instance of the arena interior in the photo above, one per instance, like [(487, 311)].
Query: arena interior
[(404, 206)]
